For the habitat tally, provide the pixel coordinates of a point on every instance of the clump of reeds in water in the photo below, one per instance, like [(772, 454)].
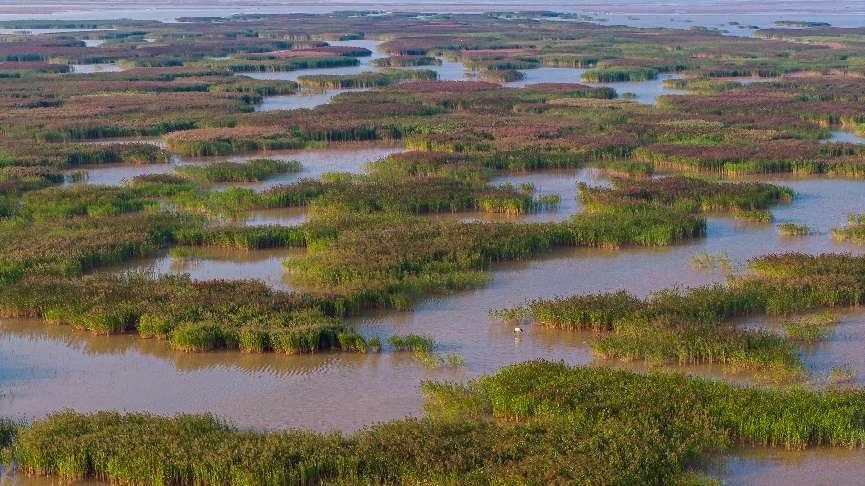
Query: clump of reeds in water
[(191, 316), (854, 232), (748, 416), (708, 262), (754, 215), (596, 312), (744, 200), (406, 61), (619, 74), (251, 171), (364, 80), (422, 348), (435, 360), (241, 237), (411, 342), (792, 230), (811, 329)]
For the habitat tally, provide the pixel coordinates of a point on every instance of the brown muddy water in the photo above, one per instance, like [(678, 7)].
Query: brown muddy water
[(841, 350), (764, 466), (219, 263), (280, 216), (45, 368)]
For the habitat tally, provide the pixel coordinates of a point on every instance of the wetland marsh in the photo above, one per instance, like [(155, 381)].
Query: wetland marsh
[(376, 247)]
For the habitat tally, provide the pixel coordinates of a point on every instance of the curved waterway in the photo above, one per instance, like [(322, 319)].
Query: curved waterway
[(218, 263), (446, 71), (346, 158), (644, 92)]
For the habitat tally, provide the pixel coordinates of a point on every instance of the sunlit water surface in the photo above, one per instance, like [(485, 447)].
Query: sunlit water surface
[(644, 92)]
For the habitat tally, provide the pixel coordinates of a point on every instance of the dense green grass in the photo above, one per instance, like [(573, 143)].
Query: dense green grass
[(619, 74), (411, 342), (689, 194), (193, 316), (360, 194), (242, 237), (73, 246), (145, 449), (93, 201), (533, 423), (793, 419)]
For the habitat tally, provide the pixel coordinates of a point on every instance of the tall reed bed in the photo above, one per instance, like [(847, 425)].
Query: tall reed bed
[(728, 415), (239, 65), (195, 449), (359, 194), (67, 202), (192, 316), (225, 141), (251, 171), (242, 237), (73, 246), (384, 77), (619, 74), (688, 193), (536, 422), (406, 61)]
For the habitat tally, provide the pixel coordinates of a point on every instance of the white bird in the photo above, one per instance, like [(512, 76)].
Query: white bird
[(518, 330)]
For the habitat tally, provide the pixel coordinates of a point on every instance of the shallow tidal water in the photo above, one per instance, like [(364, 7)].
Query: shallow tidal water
[(764, 466), (644, 92), (219, 263), (348, 158), (446, 71)]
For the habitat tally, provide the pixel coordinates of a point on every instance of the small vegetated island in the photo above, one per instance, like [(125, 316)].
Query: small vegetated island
[(185, 97)]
